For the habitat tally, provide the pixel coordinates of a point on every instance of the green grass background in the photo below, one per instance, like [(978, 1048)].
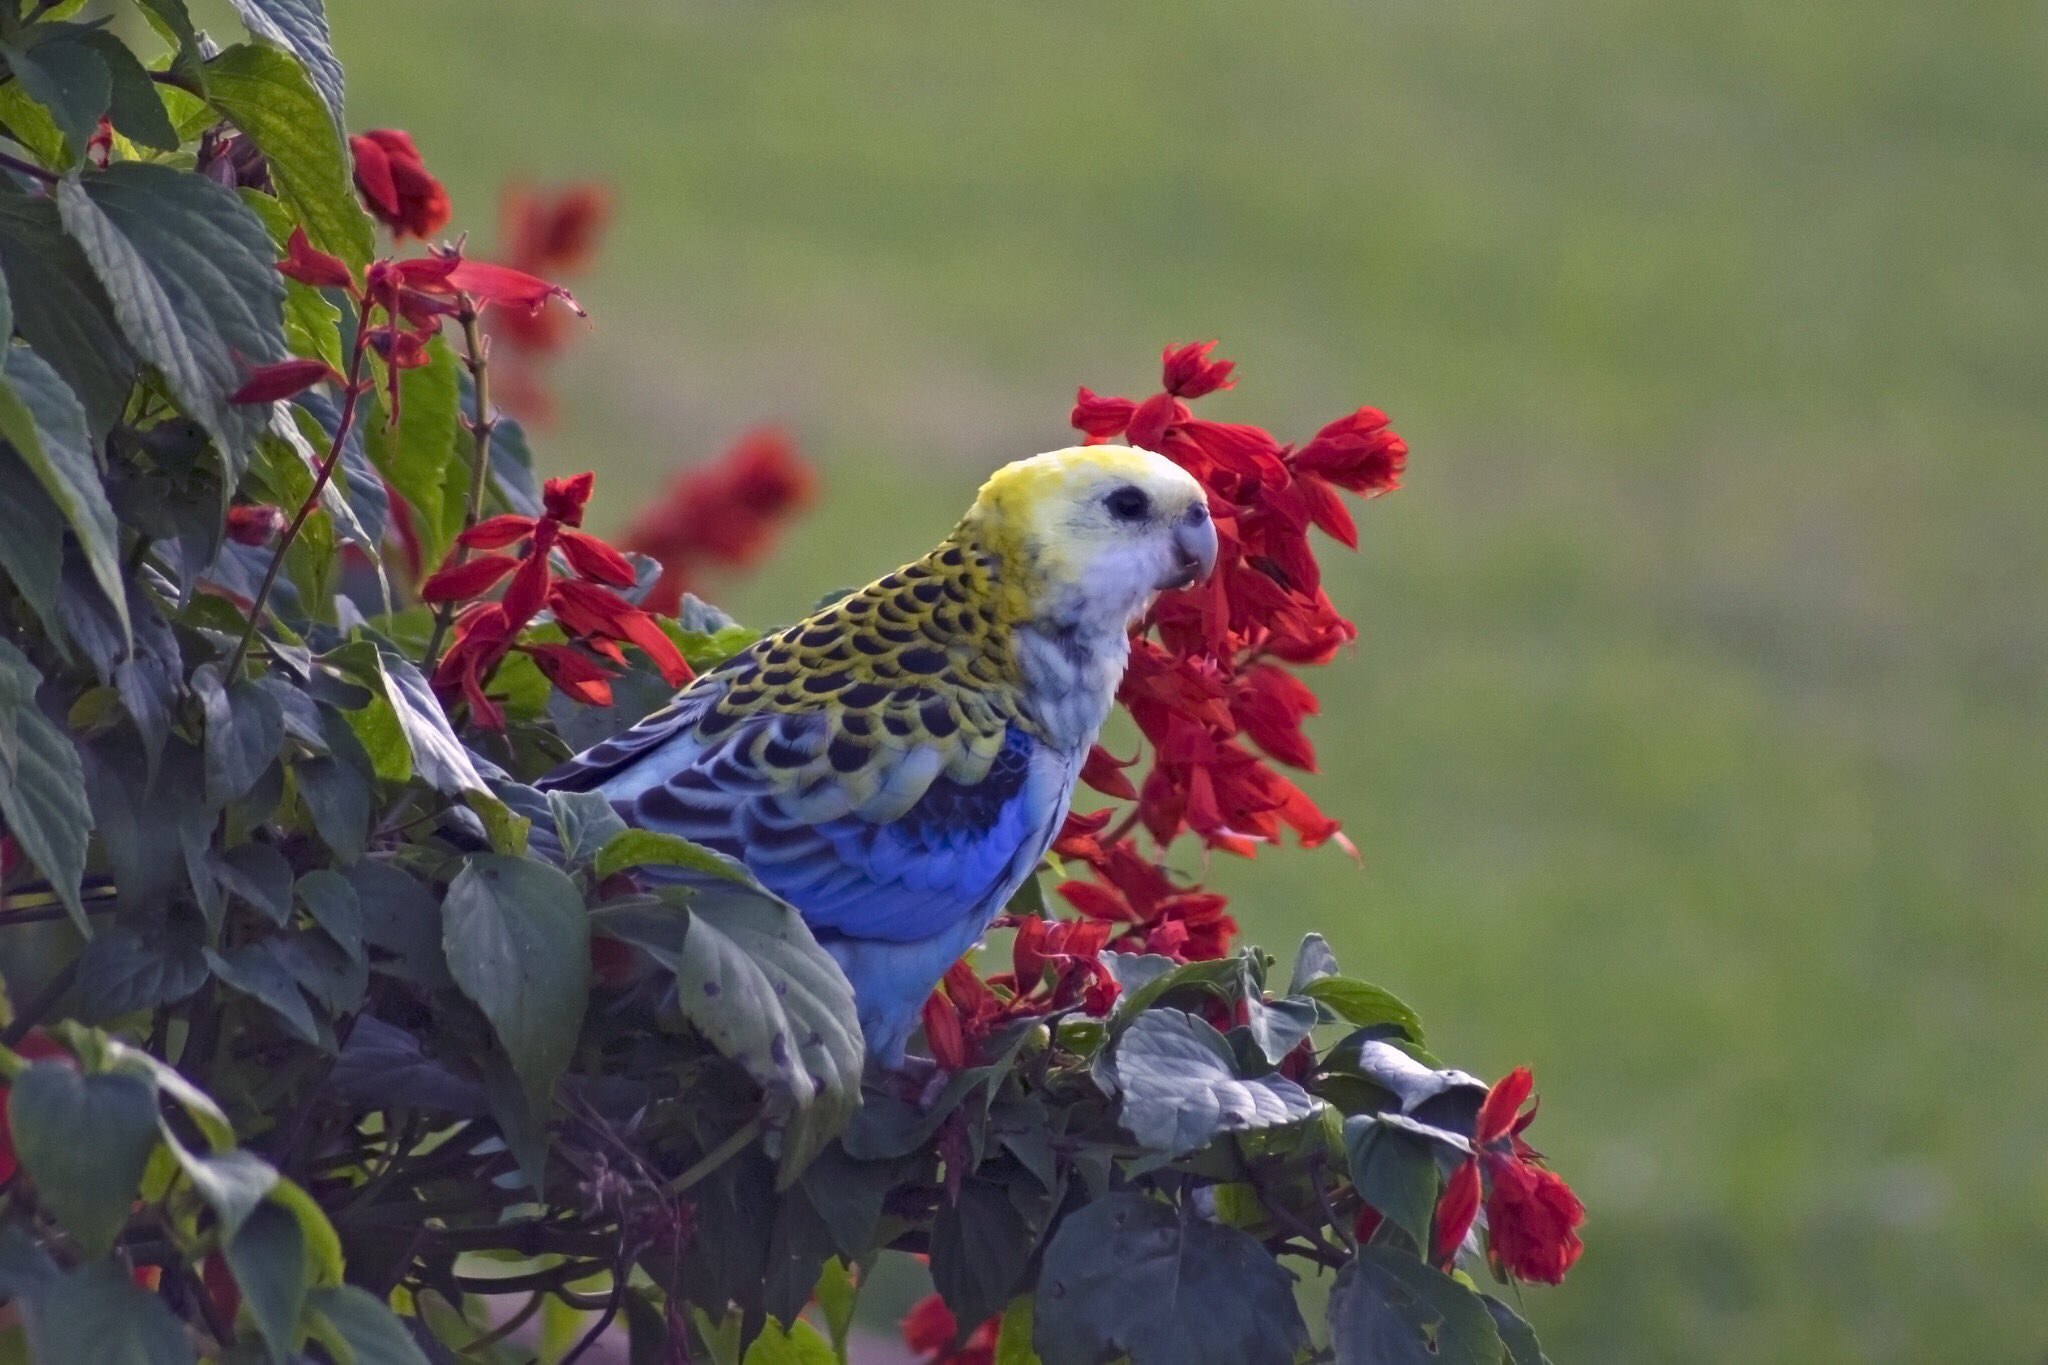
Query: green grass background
[(1695, 743)]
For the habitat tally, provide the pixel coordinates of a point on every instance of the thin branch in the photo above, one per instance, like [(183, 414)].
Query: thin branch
[(508, 1326), (29, 168), (320, 479), (476, 355), (604, 1321)]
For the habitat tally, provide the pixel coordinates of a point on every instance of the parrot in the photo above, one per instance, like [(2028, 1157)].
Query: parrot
[(897, 764)]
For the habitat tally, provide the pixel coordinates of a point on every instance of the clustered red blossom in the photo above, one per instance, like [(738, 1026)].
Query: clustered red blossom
[(596, 619), (1531, 1214), (552, 234), (930, 1330), (723, 513), (1056, 965)]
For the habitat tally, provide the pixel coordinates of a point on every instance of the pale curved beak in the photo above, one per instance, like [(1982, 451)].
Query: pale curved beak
[(1194, 550)]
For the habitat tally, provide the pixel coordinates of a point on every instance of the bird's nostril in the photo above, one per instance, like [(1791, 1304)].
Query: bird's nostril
[(1197, 514)]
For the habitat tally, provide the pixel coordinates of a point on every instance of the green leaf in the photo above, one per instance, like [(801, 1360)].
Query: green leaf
[(192, 278), (96, 1313), (64, 76), (267, 94), (1312, 962), (417, 456), (42, 786), (1013, 1337), (1363, 1005), (334, 906), (1387, 1308), (59, 306), (323, 1244), (200, 1108), (585, 822), (267, 1256), (518, 944), (244, 731), (1515, 1334), (174, 25), (980, 1245), (128, 968), (255, 971), (1127, 1274), (402, 920), (84, 1140), (31, 538), (437, 755), (799, 1345), (364, 1327), (1276, 1026), (233, 1183), (651, 848), (136, 109), (260, 875), (1180, 1088), (753, 981), (1395, 1172), (30, 124), (300, 28), (46, 424), (838, 1295)]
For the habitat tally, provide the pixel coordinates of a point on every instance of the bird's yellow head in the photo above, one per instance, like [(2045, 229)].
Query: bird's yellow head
[(1094, 531)]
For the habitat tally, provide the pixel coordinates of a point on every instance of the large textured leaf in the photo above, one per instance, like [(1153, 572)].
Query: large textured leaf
[(1180, 1088), (191, 275), (266, 93), (1129, 1275), (518, 944), (42, 785), (1364, 1005), (84, 1141), (255, 971), (66, 77), (1387, 1308), (1395, 1171), (31, 538), (97, 1313), (60, 308), (753, 981), (300, 28), (244, 730), (437, 755), (358, 1329), (125, 969), (584, 823), (46, 424)]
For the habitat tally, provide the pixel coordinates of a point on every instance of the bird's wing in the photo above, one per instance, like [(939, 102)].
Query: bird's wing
[(869, 765)]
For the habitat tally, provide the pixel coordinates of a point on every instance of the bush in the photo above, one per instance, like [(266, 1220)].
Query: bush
[(334, 1035)]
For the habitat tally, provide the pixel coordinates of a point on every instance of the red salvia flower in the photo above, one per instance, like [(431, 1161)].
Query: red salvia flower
[(930, 1331), (596, 619), (283, 379), (395, 185), (251, 523), (1532, 1216), (724, 513), (308, 265)]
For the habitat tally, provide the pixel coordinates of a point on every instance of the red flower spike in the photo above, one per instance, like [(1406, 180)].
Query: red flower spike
[(395, 185), (460, 582), (722, 513), (592, 558), (1455, 1211), (1189, 373), (1531, 1215), (1100, 417), (495, 533), (252, 523), (302, 262), (563, 500), (929, 1332), (558, 234), (574, 675), (269, 383), (1503, 1102), (527, 593), (489, 284), (1103, 771), (942, 1033)]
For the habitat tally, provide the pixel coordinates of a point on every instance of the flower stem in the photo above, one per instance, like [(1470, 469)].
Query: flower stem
[(320, 477), (476, 355), (719, 1155)]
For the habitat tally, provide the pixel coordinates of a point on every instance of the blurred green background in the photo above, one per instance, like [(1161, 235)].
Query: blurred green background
[(1695, 744)]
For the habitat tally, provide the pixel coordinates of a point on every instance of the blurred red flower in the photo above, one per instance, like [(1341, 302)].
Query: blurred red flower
[(929, 1330), (395, 185), (553, 233), (725, 512)]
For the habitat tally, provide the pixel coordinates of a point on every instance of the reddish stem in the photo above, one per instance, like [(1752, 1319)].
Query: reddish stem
[(320, 478)]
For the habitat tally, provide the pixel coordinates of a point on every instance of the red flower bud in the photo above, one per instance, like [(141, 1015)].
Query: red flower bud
[(268, 383), (309, 266), (395, 185), (1189, 373), (460, 582)]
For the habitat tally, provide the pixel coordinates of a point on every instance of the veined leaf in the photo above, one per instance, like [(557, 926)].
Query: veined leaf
[(191, 275), (59, 306), (268, 95), (1180, 1088), (300, 28), (66, 77), (98, 1313), (46, 424), (42, 786), (84, 1140), (518, 944)]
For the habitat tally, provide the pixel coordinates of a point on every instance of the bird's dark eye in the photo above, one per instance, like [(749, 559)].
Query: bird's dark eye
[(1128, 503)]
